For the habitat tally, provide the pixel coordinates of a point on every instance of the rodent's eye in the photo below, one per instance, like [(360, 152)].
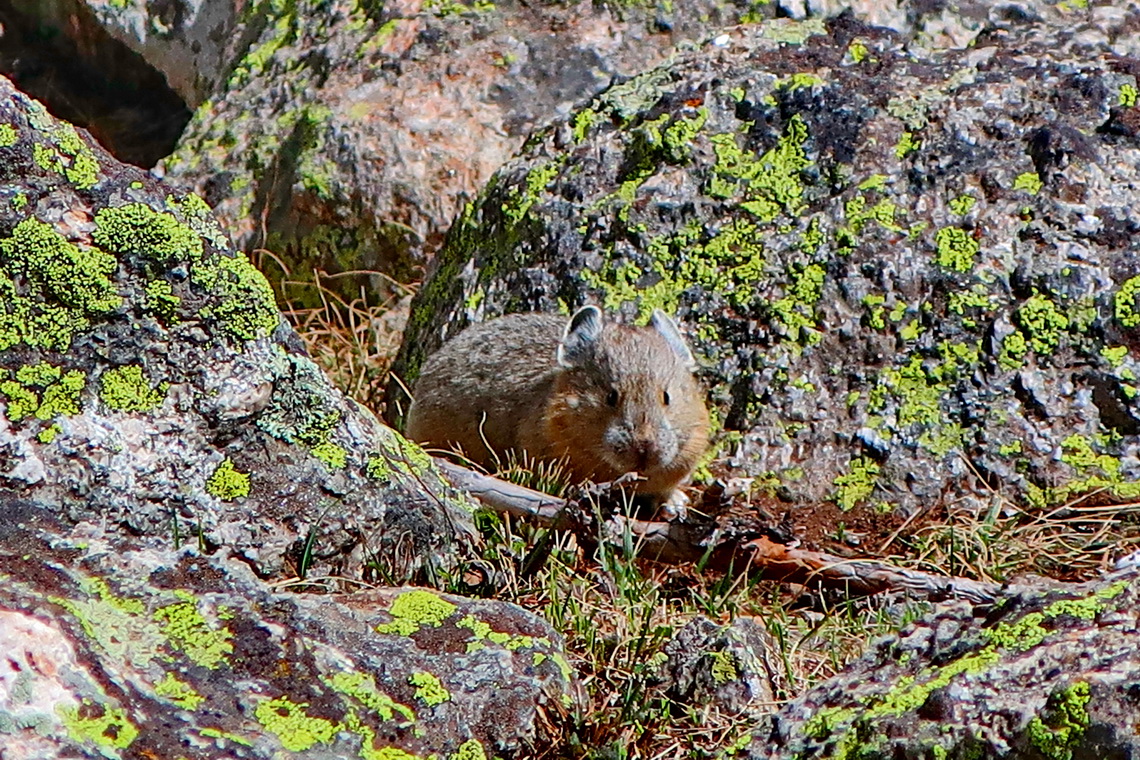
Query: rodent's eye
[(665, 398), (612, 398)]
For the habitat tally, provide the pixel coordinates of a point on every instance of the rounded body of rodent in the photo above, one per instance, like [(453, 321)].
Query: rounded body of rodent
[(603, 398)]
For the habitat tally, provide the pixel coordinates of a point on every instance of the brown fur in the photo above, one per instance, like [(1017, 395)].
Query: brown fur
[(499, 386)]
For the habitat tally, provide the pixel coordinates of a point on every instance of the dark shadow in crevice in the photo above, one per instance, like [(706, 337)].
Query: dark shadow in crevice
[(84, 76)]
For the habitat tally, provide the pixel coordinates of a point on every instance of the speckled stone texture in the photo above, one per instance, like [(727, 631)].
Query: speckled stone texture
[(114, 652), (1045, 674), (347, 135), (910, 280), (148, 386)]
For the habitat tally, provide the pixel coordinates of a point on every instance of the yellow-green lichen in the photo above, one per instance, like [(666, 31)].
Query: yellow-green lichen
[(857, 51), (907, 144), (472, 749), (1029, 182), (331, 454), (1125, 303), (126, 389), (48, 434), (161, 301), (770, 183), (429, 688), (1063, 722), (63, 151), (178, 692), (135, 229), (245, 306), (1014, 347), (61, 289), (112, 730), (857, 484), (43, 391), (956, 249), (1114, 355), (295, 729), (227, 483), (362, 687), (188, 630), (1127, 95), (7, 135), (787, 31), (963, 204), (1042, 322), (723, 668), (416, 608)]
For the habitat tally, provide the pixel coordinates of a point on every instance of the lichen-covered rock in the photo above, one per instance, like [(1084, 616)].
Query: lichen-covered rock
[(115, 653), (899, 273), (1043, 675), (726, 666), (348, 134), (148, 385)]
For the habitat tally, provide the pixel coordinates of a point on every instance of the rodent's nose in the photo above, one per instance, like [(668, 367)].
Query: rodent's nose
[(646, 455)]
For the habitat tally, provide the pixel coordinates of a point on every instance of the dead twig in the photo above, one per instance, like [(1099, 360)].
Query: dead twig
[(689, 542)]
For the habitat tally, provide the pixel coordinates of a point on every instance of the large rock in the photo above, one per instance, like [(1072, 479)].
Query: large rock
[(1045, 674), (116, 652), (348, 135), (150, 387), (165, 448), (906, 278)]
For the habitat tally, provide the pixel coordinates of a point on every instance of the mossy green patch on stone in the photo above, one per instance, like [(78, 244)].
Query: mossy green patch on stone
[(963, 204), (161, 301), (472, 749), (956, 249), (331, 454), (8, 135), (857, 484), (43, 391), (1042, 322), (227, 483), (1127, 95), (1029, 182), (906, 145), (1125, 303), (188, 630), (362, 687), (62, 287), (126, 389), (135, 229), (293, 726), (771, 183), (110, 730), (1114, 355), (1063, 723), (429, 688), (178, 692), (416, 608), (60, 149), (245, 308)]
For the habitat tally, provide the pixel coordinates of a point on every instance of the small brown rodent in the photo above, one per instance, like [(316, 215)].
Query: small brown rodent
[(604, 397)]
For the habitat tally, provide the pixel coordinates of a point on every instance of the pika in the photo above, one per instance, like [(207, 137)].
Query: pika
[(604, 398)]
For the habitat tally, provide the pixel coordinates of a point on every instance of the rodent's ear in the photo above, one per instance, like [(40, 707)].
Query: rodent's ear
[(666, 328), (580, 337)]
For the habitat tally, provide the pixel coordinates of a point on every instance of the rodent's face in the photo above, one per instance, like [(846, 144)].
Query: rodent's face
[(631, 404)]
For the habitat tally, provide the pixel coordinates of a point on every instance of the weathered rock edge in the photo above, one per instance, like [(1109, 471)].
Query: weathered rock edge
[(111, 651), (1042, 674), (150, 388)]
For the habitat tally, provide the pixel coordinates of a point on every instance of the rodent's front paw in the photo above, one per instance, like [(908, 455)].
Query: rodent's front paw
[(675, 507)]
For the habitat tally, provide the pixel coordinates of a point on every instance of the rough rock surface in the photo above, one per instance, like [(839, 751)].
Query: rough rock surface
[(726, 666), (116, 652), (149, 385), (909, 280), (347, 134), (1044, 674)]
